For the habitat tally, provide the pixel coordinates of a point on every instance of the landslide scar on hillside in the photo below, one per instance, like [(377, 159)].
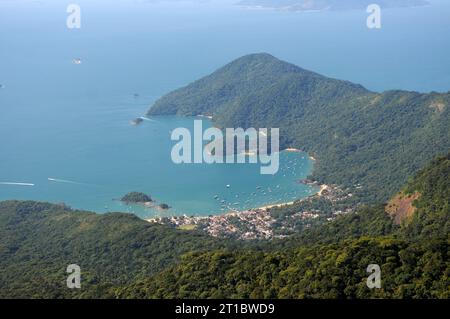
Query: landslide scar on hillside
[(401, 206)]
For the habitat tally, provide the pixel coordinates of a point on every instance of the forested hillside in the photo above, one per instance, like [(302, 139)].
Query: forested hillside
[(414, 258), (39, 241), (377, 140), (320, 271), (122, 256), (431, 219)]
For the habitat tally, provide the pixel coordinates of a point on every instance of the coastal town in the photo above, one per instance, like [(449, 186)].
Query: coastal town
[(265, 222)]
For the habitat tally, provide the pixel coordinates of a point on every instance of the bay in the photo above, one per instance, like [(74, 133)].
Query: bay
[(64, 127)]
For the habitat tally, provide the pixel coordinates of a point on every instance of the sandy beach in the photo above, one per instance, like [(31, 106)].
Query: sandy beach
[(274, 205)]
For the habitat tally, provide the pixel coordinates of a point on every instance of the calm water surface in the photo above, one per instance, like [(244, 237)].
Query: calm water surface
[(65, 127)]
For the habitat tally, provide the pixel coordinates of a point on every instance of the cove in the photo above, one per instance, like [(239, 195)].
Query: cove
[(89, 163)]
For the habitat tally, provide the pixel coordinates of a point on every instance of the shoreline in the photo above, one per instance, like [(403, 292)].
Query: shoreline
[(248, 224), (292, 149), (323, 187), (233, 212), (278, 205)]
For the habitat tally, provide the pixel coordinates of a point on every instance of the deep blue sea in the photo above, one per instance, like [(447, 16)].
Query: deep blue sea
[(65, 127)]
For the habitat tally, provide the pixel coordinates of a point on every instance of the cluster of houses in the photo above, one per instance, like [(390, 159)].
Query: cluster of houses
[(249, 224), (255, 223)]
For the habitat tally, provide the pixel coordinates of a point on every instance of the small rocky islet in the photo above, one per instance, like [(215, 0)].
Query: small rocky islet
[(136, 198), (142, 198)]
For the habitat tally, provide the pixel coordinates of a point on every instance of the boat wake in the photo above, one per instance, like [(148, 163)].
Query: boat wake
[(148, 119), (57, 180), (16, 184)]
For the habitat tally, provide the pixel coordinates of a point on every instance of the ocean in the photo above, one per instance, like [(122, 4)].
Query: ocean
[(64, 127)]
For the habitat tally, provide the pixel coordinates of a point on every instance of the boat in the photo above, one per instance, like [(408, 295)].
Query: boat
[(76, 61)]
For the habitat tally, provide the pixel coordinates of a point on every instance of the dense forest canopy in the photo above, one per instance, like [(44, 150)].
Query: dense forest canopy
[(40, 240), (331, 260)]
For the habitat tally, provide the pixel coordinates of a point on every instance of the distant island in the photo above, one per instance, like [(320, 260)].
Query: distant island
[(136, 121), (143, 199), (321, 5), (136, 197)]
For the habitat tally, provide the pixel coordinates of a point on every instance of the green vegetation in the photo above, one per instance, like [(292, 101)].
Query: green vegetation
[(322, 271), (40, 240), (431, 220), (122, 256), (136, 197), (331, 260), (368, 143), (377, 140), (187, 227), (286, 217)]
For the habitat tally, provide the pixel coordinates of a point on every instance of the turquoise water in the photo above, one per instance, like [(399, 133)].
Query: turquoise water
[(70, 123), (94, 160)]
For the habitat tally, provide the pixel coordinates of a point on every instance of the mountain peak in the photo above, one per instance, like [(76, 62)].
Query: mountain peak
[(263, 60), (253, 76), (258, 55)]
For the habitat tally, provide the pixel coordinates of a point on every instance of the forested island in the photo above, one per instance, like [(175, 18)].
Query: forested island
[(136, 197)]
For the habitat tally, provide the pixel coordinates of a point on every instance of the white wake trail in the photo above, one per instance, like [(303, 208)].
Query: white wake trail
[(57, 180), (16, 184), (148, 119)]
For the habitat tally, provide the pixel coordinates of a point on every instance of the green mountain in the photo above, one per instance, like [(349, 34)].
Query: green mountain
[(377, 140), (414, 258), (361, 137)]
